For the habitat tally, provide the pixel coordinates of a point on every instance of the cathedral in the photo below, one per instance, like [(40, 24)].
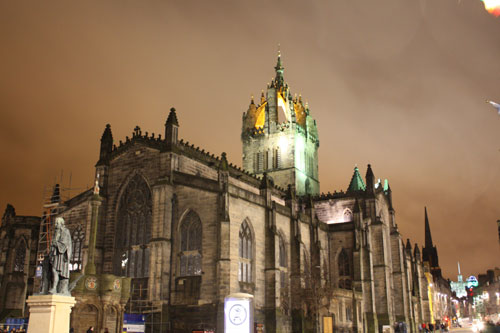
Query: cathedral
[(186, 228)]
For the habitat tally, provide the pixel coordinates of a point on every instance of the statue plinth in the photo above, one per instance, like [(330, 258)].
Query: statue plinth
[(49, 313)]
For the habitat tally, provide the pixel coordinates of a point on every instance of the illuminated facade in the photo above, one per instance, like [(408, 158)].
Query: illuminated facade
[(280, 138), (188, 229)]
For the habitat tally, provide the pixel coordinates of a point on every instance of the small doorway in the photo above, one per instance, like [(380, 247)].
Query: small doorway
[(327, 325)]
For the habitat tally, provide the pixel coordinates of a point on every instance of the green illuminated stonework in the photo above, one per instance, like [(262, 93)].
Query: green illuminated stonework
[(357, 183), (280, 138)]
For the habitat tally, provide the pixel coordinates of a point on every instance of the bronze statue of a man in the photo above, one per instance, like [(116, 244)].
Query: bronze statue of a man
[(59, 259)]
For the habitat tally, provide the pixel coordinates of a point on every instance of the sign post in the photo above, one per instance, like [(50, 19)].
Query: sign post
[(238, 313)]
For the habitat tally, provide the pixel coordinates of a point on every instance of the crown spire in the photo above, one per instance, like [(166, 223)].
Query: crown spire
[(279, 70)]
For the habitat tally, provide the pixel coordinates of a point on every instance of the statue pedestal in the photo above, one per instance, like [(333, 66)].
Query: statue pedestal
[(49, 313)]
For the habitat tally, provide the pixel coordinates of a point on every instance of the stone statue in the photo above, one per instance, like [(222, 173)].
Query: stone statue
[(55, 275)]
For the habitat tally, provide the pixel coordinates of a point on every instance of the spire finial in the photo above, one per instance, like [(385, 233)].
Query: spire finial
[(428, 237), (279, 69), (172, 118)]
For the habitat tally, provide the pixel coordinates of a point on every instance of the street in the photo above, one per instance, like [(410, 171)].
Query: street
[(464, 329)]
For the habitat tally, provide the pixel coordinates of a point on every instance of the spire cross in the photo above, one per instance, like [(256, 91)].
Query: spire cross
[(137, 130)]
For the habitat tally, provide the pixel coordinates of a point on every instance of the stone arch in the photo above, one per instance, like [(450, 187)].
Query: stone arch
[(78, 240), (344, 269), (246, 252), (84, 316), (111, 318), (133, 224), (20, 254), (282, 249), (305, 267), (189, 244), (125, 184)]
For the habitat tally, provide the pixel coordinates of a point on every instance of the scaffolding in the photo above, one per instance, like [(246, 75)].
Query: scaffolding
[(52, 206), (156, 320)]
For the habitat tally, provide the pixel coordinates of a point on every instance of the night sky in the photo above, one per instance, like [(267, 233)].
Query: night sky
[(400, 84)]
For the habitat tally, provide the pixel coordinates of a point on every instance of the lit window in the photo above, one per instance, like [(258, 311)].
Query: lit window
[(245, 254), (77, 237)]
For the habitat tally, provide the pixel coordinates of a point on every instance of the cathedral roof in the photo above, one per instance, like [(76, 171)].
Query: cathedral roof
[(356, 183)]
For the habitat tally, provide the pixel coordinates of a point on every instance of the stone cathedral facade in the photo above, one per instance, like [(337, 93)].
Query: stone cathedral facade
[(189, 228)]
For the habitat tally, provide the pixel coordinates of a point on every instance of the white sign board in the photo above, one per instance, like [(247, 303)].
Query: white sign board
[(134, 328), (238, 313)]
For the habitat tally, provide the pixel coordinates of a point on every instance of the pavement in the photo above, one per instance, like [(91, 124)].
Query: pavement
[(463, 329)]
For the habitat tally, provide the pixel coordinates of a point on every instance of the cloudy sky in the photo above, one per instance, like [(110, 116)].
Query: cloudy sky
[(400, 84)]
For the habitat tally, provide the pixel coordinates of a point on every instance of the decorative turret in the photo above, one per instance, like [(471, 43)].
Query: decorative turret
[(280, 137), (416, 253), (106, 146), (370, 180), (388, 192), (171, 128), (356, 183), (10, 211), (223, 165), (408, 246)]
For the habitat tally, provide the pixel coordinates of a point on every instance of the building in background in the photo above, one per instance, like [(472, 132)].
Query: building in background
[(440, 294), (487, 295), (18, 248)]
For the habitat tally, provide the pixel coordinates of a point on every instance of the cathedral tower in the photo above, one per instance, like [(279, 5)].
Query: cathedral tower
[(429, 252), (280, 137)]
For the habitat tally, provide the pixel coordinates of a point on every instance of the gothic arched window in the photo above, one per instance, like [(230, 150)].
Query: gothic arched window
[(276, 158), (282, 262), (133, 230), (282, 252), (306, 270), (190, 255), (77, 237), (344, 270), (245, 253), (20, 256)]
